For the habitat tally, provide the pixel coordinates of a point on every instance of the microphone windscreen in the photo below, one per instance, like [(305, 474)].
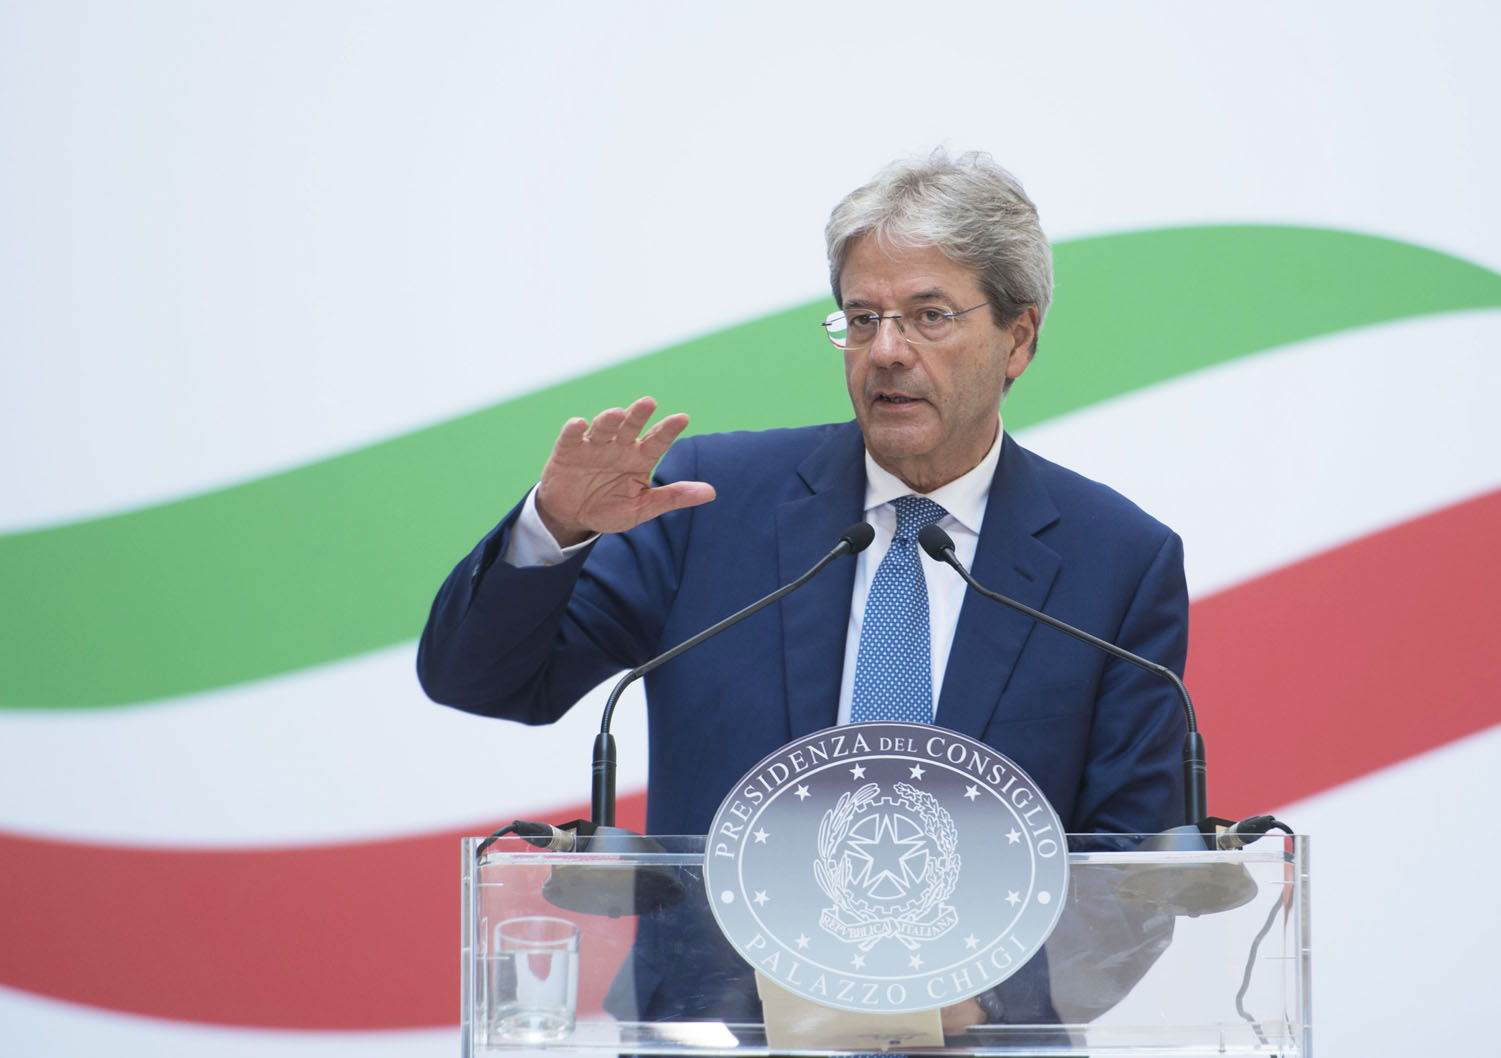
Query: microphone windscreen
[(858, 536), (935, 542)]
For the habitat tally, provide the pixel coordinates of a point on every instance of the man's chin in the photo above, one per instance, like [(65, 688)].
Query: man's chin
[(888, 441), (901, 451)]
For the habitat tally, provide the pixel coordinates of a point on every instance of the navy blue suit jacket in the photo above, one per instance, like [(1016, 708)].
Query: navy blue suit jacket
[(1102, 738)]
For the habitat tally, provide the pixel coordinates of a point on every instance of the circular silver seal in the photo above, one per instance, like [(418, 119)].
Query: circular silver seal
[(886, 867)]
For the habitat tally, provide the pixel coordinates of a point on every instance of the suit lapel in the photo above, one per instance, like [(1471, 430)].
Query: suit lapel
[(815, 620), (1009, 560)]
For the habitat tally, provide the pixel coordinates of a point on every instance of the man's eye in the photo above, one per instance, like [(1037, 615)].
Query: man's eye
[(931, 316), (862, 319)]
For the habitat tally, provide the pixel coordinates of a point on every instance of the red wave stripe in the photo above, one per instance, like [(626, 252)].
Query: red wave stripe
[(1305, 678), (1349, 661), (352, 936)]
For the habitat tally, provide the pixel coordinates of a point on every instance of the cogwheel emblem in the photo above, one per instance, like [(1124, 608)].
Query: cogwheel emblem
[(887, 863)]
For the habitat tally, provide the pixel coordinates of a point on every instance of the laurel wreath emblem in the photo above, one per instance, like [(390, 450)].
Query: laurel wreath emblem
[(855, 921)]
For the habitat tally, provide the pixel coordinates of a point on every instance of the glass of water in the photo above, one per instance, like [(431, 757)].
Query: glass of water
[(532, 979)]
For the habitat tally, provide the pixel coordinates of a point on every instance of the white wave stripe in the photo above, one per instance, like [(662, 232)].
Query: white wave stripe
[(1269, 459), (36, 1026), (1258, 463), (345, 752)]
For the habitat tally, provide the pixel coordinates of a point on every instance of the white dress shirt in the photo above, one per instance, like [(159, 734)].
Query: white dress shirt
[(964, 498)]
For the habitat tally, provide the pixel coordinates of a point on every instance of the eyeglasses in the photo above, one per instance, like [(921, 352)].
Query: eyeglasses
[(856, 330)]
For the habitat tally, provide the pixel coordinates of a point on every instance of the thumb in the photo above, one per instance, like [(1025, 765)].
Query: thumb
[(677, 495)]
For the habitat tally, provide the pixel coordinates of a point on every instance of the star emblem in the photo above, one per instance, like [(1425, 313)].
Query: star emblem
[(760, 835), (1013, 897), (915, 962), (803, 940), (1014, 836), (802, 792), (971, 942), (858, 962), (857, 772), (916, 771), (761, 898), (887, 856), (971, 792)]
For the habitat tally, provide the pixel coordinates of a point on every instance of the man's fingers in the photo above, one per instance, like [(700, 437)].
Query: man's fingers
[(572, 433), (675, 496), (615, 435), (598, 477), (605, 426), (636, 416), (656, 441), (621, 424)]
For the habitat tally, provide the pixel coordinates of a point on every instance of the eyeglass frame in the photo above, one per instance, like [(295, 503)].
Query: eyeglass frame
[(897, 317)]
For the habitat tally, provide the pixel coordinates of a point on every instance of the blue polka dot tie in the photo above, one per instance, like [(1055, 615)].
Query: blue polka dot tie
[(893, 671)]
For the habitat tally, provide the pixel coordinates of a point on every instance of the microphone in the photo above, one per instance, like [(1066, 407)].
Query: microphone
[(940, 548), (602, 800)]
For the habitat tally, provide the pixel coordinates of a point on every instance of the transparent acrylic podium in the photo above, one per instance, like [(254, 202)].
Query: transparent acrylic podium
[(1175, 953)]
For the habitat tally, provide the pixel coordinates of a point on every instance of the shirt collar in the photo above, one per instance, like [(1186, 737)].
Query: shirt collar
[(964, 497)]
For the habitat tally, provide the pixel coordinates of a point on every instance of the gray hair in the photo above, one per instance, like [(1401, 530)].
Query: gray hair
[(968, 208)]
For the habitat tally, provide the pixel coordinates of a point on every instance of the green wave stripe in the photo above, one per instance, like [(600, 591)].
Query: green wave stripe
[(342, 556)]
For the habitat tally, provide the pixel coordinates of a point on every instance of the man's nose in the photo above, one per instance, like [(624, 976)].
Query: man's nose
[(890, 345)]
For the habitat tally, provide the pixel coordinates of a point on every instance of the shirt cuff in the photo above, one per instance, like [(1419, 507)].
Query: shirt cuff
[(531, 544)]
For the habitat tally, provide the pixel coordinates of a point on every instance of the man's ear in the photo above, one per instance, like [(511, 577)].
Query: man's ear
[(1023, 331)]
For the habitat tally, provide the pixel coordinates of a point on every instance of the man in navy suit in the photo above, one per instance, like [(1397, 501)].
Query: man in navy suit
[(633, 541)]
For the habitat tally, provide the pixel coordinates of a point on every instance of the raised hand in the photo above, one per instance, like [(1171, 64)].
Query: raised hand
[(598, 478)]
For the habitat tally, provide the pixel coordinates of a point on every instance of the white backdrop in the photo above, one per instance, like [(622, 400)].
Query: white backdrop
[(239, 239)]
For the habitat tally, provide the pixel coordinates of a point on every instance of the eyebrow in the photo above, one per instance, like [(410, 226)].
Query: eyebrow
[(927, 295)]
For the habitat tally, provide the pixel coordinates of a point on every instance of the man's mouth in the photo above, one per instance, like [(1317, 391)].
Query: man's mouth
[(895, 398)]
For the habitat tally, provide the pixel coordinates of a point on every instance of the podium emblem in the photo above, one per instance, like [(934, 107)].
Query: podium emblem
[(886, 867)]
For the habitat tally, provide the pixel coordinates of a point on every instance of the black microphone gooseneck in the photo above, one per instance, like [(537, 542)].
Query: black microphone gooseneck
[(602, 799), (940, 547)]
